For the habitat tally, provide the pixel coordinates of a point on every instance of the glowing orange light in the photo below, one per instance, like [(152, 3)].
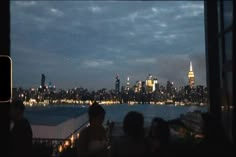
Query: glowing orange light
[(60, 149), (67, 143), (72, 139)]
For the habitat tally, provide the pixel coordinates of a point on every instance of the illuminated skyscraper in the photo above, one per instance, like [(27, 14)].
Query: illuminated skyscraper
[(191, 76), (155, 84), (127, 84), (138, 86), (149, 84)]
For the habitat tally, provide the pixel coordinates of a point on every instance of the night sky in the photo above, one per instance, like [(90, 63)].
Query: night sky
[(86, 43)]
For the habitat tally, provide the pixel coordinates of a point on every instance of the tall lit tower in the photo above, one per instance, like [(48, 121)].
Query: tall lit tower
[(191, 76), (127, 84), (155, 84)]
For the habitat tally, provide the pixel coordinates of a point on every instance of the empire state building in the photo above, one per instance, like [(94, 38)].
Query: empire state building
[(191, 76)]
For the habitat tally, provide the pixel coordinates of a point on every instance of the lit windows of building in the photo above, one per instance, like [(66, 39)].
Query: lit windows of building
[(149, 84), (191, 76), (127, 84), (138, 86), (155, 84)]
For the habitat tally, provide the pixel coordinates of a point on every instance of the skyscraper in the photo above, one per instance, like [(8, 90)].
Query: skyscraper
[(168, 87), (43, 80), (149, 83), (191, 76), (138, 86), (127, 84), (155, 84), (117, 85), (51, 87)]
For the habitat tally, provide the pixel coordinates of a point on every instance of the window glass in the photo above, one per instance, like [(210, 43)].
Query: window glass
[(228, 46), (227, 13), (221, 58), (219, 15)]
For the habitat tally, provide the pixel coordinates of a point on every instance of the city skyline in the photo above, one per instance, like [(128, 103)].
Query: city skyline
[(85, 44), (117, 85)]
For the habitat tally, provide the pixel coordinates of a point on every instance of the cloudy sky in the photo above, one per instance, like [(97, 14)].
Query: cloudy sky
[(86, 43)]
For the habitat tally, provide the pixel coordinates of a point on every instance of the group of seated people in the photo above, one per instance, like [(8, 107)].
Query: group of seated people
[(93, 140)]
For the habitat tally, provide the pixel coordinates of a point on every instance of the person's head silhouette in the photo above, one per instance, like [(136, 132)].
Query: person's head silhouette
[(17, 110), (160, 130), (96, 114), (133, 124)]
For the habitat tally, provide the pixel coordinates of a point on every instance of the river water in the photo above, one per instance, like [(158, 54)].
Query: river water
[(115, 112)]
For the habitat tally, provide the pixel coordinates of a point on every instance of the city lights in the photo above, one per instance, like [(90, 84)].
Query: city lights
[(149, 91)]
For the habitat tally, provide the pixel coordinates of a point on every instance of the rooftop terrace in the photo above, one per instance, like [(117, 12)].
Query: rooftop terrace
[(52, 116)]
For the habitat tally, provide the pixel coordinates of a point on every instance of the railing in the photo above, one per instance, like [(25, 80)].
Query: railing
[(49, 147), (54, 146)]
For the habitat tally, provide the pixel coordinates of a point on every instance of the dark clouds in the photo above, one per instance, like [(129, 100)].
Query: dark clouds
[(85, 43)]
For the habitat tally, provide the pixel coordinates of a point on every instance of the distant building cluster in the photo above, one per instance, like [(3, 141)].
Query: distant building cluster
[(147, 91)]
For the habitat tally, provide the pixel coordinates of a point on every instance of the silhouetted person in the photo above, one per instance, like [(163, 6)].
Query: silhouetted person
[(92, 140), (158, 136), (133, 142), (21, 132), (215, 142)]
